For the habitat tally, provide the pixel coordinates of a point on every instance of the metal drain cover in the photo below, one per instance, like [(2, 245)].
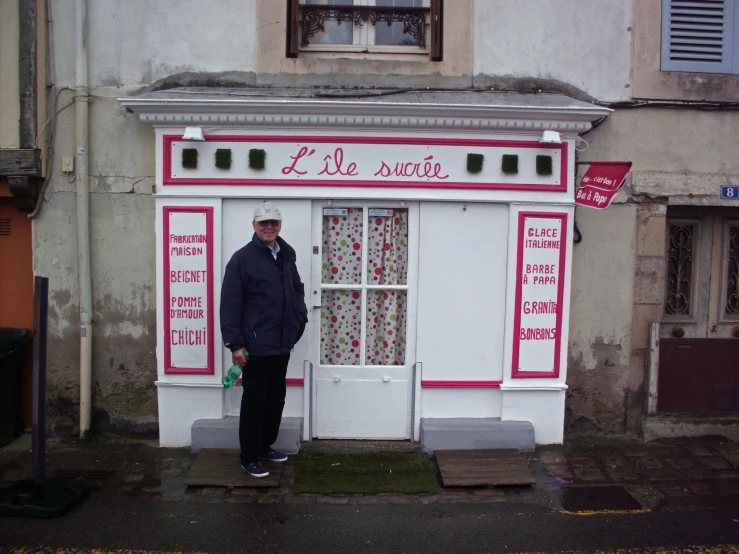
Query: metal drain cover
[(597, 499)]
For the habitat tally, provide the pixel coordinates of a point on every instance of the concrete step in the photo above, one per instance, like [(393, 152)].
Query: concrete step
[(476, 434), (361, 446), (224, 433)]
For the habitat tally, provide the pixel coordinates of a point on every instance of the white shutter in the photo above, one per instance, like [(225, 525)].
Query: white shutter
[(698, 35)]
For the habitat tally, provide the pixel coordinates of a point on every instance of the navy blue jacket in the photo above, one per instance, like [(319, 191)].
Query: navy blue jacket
[(262, 300)]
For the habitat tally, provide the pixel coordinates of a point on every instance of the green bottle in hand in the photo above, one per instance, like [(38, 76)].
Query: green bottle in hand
[(232, 375)]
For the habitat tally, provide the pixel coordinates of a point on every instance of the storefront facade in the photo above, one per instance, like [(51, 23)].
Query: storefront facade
[(433, 234)]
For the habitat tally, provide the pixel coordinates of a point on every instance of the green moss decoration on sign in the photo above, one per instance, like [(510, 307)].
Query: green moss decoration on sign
[(474, 162), (510, 164), (190, 158), (223, 158), (256, 158), (544, 165)]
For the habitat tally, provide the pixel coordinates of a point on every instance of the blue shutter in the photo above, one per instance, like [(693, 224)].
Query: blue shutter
[(699, 36)]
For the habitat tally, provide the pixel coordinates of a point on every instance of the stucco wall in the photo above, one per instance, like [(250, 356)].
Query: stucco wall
[(122, 243), (563, 45), (600, 319), (651, 82), (139, 43)]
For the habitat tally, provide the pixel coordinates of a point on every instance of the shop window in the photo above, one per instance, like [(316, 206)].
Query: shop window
[(365, 26), (700, 37)]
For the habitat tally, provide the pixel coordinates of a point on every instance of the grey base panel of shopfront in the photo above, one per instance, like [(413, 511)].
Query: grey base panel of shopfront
[(436, 434), (224, 433), (476, 434)]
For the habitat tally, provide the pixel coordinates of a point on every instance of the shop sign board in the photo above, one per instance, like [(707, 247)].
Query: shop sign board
[(540, 273), (404, 162), (188, 290), (600, 184)]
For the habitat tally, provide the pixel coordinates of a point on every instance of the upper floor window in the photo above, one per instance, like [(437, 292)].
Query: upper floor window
[(376, 26), (700, 36)]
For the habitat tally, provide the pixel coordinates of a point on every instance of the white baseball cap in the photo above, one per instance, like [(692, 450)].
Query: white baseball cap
[(267, 211)]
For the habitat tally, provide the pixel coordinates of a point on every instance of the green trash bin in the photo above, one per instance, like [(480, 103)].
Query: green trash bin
[(12, 345)]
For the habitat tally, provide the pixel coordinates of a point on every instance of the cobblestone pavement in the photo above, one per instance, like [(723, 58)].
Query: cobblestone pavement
[(650, 472)]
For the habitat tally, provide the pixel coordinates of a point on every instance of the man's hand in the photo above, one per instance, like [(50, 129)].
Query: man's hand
[(238, 358)]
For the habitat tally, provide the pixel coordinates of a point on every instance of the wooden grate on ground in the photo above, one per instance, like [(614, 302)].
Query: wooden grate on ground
[(220, 467), (476, 468)]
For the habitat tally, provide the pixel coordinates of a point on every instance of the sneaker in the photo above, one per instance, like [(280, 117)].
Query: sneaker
[(255, 469), (274, 456)]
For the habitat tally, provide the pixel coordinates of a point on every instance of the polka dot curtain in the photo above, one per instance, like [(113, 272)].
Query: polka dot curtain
[(387, 264)]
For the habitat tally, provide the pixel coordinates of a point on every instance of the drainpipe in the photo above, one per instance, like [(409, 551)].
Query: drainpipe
[(82, 101)]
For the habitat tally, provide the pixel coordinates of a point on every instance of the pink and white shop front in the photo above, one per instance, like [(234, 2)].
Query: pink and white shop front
[(433, 233)]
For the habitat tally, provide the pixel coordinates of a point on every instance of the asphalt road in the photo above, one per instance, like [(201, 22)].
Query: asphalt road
[(109, 522)]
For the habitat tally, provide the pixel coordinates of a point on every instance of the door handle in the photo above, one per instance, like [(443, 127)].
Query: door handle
[(337, 379), (386, 379), (320, 307)]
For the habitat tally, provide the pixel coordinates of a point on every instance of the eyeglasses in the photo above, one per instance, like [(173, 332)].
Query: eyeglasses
[(270, 223)]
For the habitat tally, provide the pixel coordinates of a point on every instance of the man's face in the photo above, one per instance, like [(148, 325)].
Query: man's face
[(267, 231)]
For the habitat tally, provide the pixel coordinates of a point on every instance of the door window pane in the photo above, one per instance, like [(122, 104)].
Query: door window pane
[(341, 327), (386, 318), (387, 239), (680, 254), (333, 32), (732, 282), (342, 248), (393, 35)]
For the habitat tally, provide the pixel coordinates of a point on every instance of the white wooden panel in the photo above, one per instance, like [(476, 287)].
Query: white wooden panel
[(447, 403), (461, 291), (362, 409), (544, 409), (180, 406), (237, 231)]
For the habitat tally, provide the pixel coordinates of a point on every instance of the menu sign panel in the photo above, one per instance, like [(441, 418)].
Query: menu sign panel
[(188, 289), (539, 294)]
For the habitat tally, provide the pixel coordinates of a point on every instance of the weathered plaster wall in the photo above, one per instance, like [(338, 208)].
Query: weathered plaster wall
[(600, 319), (135, 44), (680, 156), (651, 82), (122, 242), (574, 46)]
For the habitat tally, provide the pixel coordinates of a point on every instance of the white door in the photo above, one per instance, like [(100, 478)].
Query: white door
[(363, 304)]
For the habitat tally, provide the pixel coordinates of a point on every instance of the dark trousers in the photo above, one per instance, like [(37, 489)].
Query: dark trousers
[(263, 380)]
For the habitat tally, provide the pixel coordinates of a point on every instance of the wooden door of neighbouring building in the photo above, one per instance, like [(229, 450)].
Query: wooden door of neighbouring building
[(699, 334), (16, 279)]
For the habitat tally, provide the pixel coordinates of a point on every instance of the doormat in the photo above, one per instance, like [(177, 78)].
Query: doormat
[(479, 468), (598, 500), (221, 467), (363, 473)]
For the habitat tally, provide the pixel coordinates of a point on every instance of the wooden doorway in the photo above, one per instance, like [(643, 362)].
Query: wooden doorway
[(699, 336)]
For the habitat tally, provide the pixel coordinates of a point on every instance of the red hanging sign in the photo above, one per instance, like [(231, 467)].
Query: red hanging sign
[(600, 184)]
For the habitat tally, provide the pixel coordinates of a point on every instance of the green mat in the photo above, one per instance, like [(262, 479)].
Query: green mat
[(365, 473)]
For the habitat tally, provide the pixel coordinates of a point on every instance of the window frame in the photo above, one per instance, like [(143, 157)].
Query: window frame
[(364, 35)]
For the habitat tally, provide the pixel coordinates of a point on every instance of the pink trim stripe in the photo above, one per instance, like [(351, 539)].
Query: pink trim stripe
[(168, 140), (289, 382), (515, 373), (427, 384), (168, 369)]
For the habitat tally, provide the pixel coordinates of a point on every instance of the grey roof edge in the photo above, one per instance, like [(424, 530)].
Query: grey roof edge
[(520, 107)]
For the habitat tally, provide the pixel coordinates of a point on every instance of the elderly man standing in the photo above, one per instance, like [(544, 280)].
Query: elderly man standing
[(263, 315)]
